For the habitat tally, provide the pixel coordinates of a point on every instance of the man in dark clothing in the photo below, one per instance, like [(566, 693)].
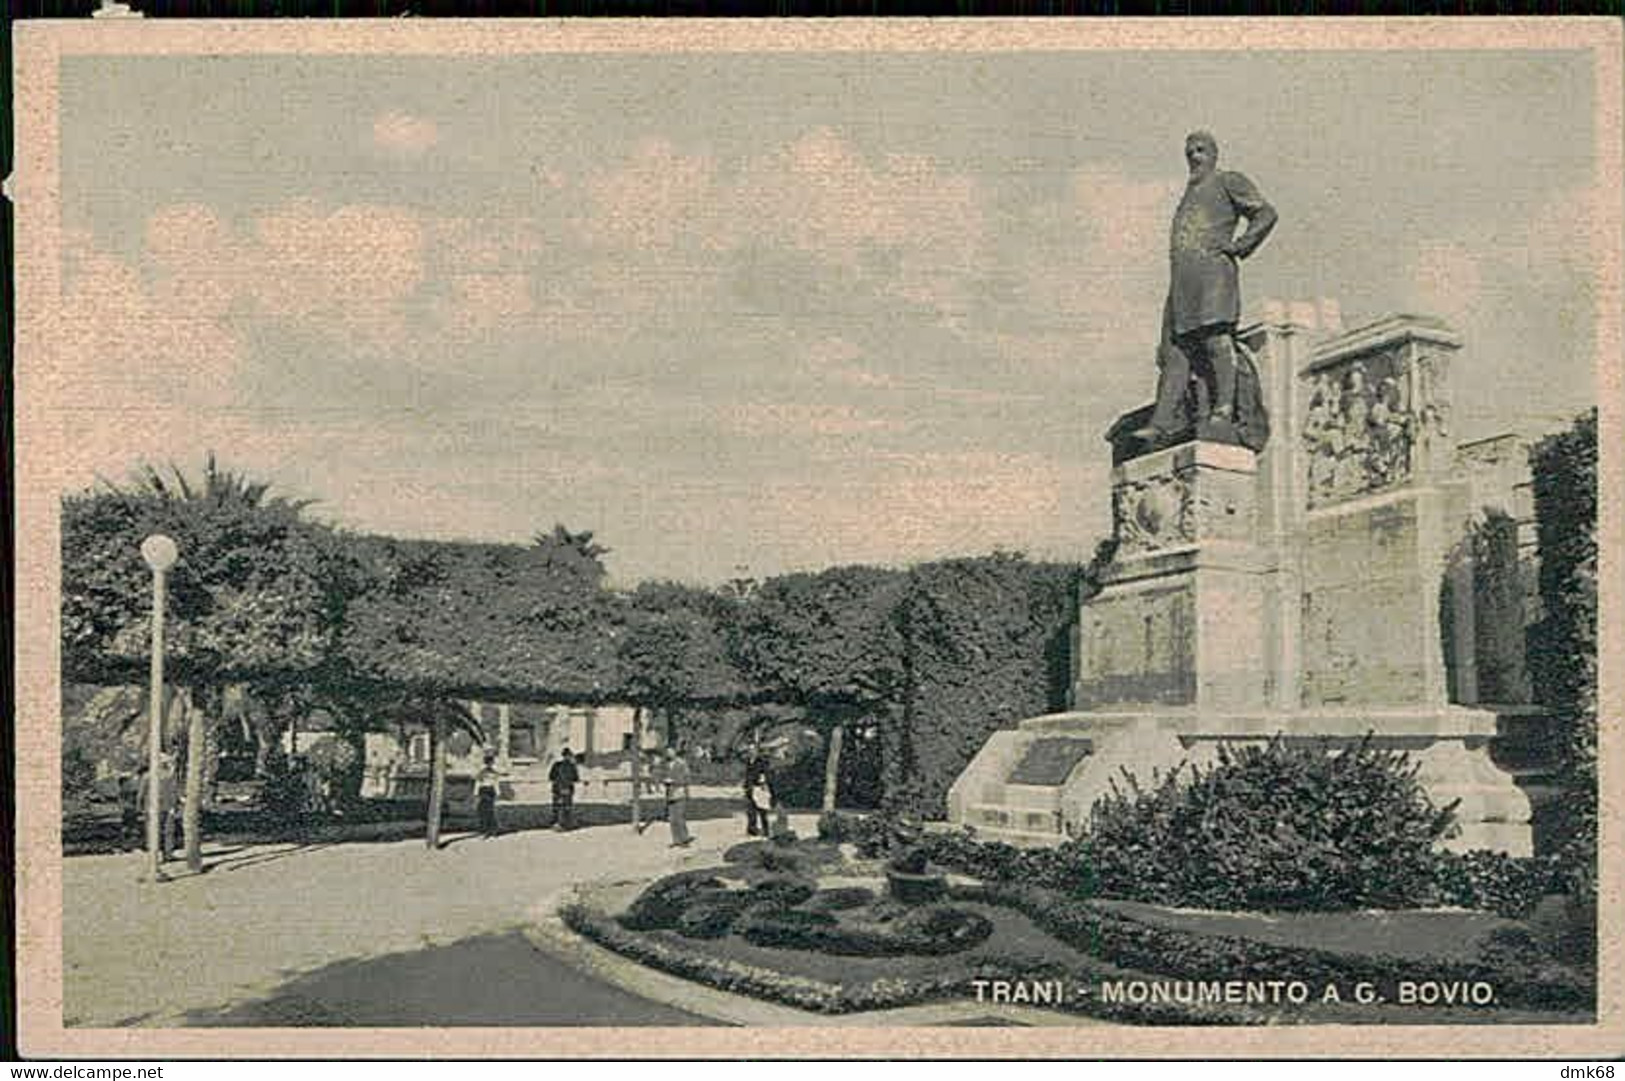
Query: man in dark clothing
[(564, 777), (489, 787)]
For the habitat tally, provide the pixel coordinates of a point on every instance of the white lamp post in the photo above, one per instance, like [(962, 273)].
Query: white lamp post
[(160, 553)]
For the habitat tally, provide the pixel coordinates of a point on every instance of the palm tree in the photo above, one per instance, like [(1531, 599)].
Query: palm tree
[(223, 493), (218, 487)]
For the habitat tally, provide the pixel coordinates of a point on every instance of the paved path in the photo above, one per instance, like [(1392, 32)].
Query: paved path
[(494, 979), (265, 915)]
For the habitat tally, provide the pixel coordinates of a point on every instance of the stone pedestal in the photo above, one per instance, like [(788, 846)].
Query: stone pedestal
[(1179, 621), (1295, 593)]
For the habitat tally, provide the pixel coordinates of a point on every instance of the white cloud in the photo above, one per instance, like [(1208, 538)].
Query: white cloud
[(1080, 300), (352, 266), (651, 199), (904, 225), (402, 133), (486, 304)]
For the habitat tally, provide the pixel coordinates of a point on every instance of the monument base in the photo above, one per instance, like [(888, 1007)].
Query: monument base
[(1035, 785)]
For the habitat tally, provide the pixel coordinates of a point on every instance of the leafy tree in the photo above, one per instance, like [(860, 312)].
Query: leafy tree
[(481, 620), (434, 622), (673, 649), (673, 656), (572, 554), (827, 642), (253, 599)]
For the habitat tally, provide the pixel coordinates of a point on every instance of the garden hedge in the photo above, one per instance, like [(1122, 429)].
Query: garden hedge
[(985, 645)]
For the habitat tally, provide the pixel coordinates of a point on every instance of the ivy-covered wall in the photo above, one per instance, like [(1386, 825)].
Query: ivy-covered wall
[(1563, 643)]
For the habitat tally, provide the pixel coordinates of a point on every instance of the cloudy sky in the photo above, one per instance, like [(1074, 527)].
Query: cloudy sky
[(742, 314)]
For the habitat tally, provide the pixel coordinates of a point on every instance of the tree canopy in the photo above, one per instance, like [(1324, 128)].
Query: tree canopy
[(255, 594), (481, 620), (674, 647), (826, 640)]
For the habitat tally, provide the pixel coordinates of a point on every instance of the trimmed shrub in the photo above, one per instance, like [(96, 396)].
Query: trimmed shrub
[(78, 776), (941, 929), (1066, 867), (779, 856), (840, 898), (781, 892), (841, 827), (1054, 912), (1495, 882), (1130, 943), (914, 887), (712, 915), (1486, 881), (870, 834), (286, 793), (1277, 826), (789, 859), (926, 931), (768, 857), (663, 903), (782, 928), (746, 852), (335, 765), (803, 992)]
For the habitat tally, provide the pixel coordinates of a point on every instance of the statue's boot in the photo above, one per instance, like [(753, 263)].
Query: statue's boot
[(1148, 433), (1221, 353)]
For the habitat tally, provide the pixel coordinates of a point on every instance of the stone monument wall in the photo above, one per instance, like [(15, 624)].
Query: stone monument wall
[(1374, 442), (1305, 591), (1365, 636)]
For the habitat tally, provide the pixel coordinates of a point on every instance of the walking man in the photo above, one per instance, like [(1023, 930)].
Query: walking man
[(677, 799), (129, 799), (564, 777), (489, 787)]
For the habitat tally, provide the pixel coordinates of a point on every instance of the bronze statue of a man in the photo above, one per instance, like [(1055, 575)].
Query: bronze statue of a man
[(1204, 296)]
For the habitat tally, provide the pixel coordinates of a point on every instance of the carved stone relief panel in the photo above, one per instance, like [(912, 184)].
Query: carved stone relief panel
[(1190, 503), (1372, 422), (1153, 514)]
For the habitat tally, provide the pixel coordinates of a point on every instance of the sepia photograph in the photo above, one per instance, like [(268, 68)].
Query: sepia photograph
[(879, 538)]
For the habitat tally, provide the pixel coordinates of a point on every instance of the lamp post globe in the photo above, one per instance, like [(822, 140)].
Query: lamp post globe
[(159, 552)]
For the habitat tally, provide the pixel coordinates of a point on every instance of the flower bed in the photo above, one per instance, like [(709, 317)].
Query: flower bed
[(837, 952), (774, 984), (1131, 943), (851, 985)]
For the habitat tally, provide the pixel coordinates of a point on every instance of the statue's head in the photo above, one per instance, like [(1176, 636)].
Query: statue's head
[(1201, 151)]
